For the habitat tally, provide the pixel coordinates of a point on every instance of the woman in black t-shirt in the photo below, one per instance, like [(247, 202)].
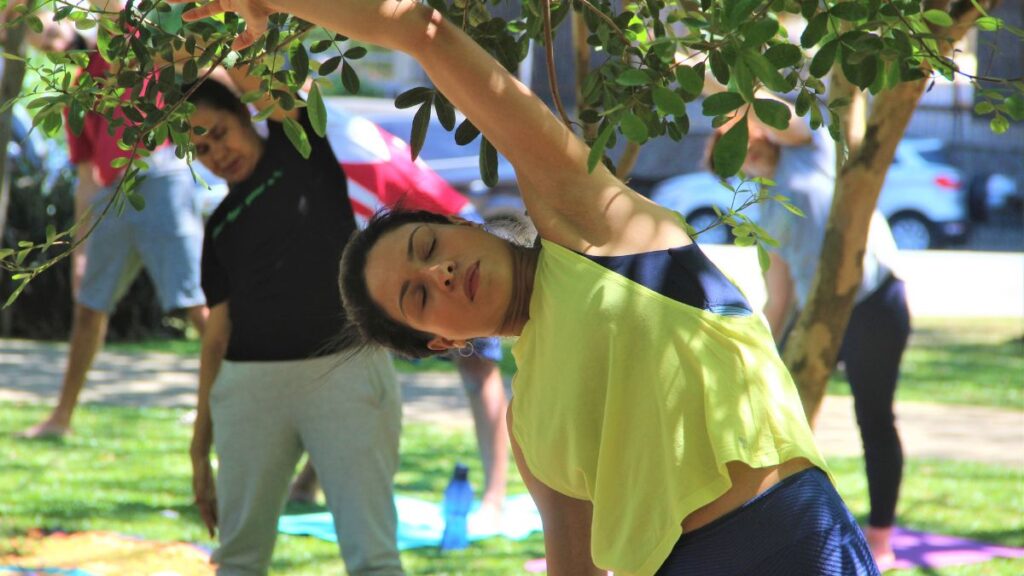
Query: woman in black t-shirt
[(270, 383)]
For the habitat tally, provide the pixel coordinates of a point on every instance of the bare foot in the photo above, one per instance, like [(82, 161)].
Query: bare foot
[(880, 542), (46, 429)]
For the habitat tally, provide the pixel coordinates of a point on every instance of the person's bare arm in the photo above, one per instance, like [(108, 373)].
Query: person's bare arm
[(215, 345), (566, 522), (781, 295)]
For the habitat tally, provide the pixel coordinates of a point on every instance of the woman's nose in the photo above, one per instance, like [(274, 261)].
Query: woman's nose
[(444, 274)]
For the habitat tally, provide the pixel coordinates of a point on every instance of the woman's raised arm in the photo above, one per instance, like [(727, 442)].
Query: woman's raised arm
[(586, 211)]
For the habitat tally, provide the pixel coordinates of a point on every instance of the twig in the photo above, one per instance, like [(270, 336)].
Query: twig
[(549, 52)]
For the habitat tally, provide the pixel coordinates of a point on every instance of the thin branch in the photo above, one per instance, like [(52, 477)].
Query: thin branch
[(549, 52), (607, 19)]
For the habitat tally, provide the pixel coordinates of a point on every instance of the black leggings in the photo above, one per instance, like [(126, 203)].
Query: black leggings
[(872, 349)]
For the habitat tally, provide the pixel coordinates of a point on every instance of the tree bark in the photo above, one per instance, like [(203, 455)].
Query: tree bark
[(10, 87), (813, 346)]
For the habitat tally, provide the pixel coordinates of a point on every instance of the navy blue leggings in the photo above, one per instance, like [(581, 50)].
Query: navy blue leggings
[(799, 527), (872, 349)]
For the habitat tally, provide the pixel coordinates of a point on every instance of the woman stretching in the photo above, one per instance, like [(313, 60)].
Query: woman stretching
[(652, 420), (271, 384)]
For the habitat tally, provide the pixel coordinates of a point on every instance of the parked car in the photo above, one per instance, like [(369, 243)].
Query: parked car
[(458, 165), (924, 201)]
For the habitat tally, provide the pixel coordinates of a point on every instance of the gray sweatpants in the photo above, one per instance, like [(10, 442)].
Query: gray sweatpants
[(347, 415)]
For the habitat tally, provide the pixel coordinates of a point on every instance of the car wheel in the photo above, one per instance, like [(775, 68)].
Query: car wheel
[(703, 219), (912, 232)]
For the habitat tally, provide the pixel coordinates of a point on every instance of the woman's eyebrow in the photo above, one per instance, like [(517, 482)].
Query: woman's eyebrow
[(409, 255)]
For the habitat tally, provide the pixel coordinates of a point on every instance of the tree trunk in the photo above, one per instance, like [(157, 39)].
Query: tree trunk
[(10, 87), (813, 346)]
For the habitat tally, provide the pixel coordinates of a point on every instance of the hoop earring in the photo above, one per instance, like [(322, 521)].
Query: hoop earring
[(467, 350)]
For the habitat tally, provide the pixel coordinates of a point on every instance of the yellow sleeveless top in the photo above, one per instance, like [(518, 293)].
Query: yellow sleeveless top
[(635, 402)]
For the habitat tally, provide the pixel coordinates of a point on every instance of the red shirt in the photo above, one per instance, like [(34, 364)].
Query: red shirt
[(96, 144)]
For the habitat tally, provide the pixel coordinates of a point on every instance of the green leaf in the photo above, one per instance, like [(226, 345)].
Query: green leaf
[(783, 55), (633, 77), (136, 200), (355, 53), (815, 30), (938, 17), (265, 113), (119, 162), (189, 72), (297, 135), (300, 61), (445, 112), (719, 68), (989, 24), (851, 11), (823, 60), (76, 117), (488, 160), (721, 103), (420, 123), (349, 78), (329, 66), (731, 150), (759, 31), (466, 133), (738, 11), (861, 73), (668, 102), (765, 72), (1014, 106), (689, 80), (743, 80), (763, 259), (414, 96), (803, 102), (633, 127), (320, 46), (999, 124), (597, 148), (773, 113), (316, 111)]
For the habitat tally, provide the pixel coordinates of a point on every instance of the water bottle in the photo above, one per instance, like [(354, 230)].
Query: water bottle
[(458, 497)]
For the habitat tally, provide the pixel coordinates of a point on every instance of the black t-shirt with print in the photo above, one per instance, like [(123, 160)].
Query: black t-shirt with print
[(272, 248)]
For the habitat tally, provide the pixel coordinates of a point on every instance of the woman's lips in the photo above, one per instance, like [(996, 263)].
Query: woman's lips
[(472, 281), (232, 167)]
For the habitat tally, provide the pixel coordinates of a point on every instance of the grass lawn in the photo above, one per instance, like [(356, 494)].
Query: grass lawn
[(127, 470)]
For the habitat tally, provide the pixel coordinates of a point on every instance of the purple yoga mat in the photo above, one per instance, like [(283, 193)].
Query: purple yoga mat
[(920, 549), (915, 550)]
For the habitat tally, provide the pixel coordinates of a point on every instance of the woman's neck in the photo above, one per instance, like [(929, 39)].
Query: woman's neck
[(524, 265)]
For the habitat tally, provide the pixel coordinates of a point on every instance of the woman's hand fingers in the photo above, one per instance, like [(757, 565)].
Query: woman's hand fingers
[(205, 492), (254, 12)]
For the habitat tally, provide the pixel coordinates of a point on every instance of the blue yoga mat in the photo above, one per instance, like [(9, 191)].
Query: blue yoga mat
[(420, 523)]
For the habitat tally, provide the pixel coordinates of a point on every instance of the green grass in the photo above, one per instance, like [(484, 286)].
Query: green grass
[(957, 361), (127, 470)]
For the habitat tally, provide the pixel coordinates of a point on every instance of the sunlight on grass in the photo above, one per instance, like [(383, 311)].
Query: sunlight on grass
[(127, 470)]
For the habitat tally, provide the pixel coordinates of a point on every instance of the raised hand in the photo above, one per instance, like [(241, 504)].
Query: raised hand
[(253, 12)]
